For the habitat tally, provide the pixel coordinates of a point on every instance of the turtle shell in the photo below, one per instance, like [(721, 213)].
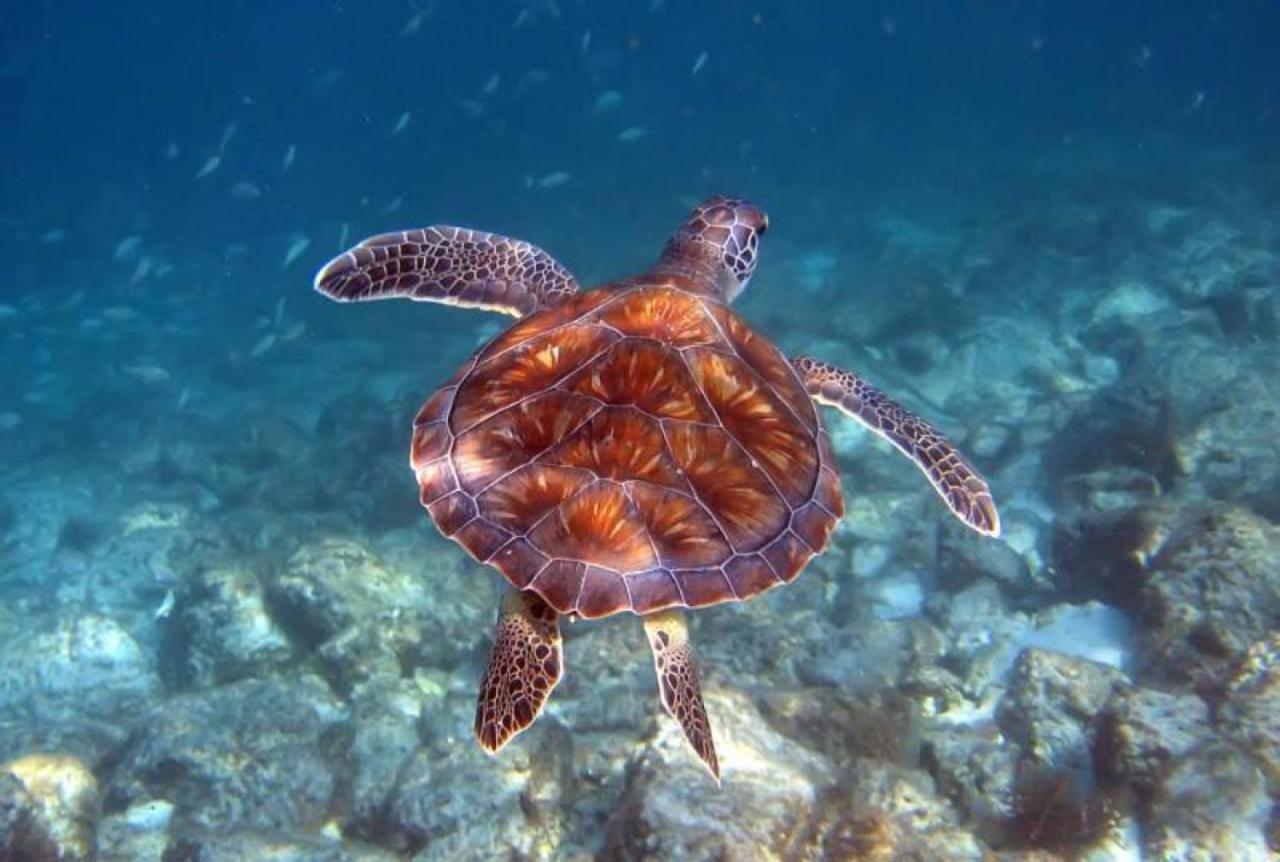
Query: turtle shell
[(636, 448)]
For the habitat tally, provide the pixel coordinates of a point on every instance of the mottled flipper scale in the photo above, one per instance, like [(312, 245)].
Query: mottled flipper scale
[(452, 265), (965, 492), (525, 666), (678, 682)]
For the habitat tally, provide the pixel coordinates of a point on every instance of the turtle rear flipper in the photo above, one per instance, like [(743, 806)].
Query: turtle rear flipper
[(452, 265), (678, 683), (523, 669), (965, 492)]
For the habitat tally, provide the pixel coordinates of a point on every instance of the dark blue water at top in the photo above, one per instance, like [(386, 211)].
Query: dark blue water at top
[(817, 109)]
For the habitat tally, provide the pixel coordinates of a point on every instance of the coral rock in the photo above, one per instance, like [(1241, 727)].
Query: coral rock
[(1213, 588), (252, 754), (1250, 712), (463, 804), (1213, 805), (1051, 701), (975, 767), (222, 630), (887, 813), (367, 615), (672, 809), (75, 686), (56, 812), (1142, 733), (385, 715)]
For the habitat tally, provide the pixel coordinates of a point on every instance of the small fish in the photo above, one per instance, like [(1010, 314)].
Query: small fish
[(608, 101), (289, 156), (531, 78), (402, 122), (151, 816), (699, 63), (414, 24), (471, 108), (394, 205), (296, 248), (585, 43), (75, 298), (142, 270), (245, 191), (7, 311), (1197, 100), (327, 79), (264, 344), (53, 236), (227, 134), (293, 333), (9, 420), (183, 397), (126, 247), (491, 86), (553, 180), (149, 374), (278, 317), (632, 134), (120, 313), (171, 151), (522, 18), (166, 606), (1141, 56), (211, 164), (343, 235)]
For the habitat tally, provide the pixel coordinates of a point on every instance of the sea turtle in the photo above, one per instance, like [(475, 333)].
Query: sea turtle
[(636, 447)]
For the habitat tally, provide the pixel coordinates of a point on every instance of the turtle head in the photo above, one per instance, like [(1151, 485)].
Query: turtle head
[(717, 246)]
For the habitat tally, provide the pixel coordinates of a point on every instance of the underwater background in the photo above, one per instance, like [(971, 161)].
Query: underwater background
[(228, 630)]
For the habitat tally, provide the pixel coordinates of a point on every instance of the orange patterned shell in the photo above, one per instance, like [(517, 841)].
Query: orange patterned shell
[(635, 448)]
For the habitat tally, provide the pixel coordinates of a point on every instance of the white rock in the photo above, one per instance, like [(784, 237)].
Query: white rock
[(1101, 370), (1130, 302), (898, 596), (868, 559), (1092, 631)]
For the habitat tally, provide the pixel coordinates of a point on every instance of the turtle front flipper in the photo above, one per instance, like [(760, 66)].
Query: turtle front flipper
[(965, 492), (452, 265), (678, 682), (523, 669)]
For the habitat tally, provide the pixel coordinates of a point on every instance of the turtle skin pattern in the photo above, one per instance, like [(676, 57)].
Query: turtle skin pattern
[(524, 668), (452, 265), (965, 492), (637, 447)]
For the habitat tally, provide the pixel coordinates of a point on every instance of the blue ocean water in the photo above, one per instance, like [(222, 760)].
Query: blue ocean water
[(1050, 229)]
